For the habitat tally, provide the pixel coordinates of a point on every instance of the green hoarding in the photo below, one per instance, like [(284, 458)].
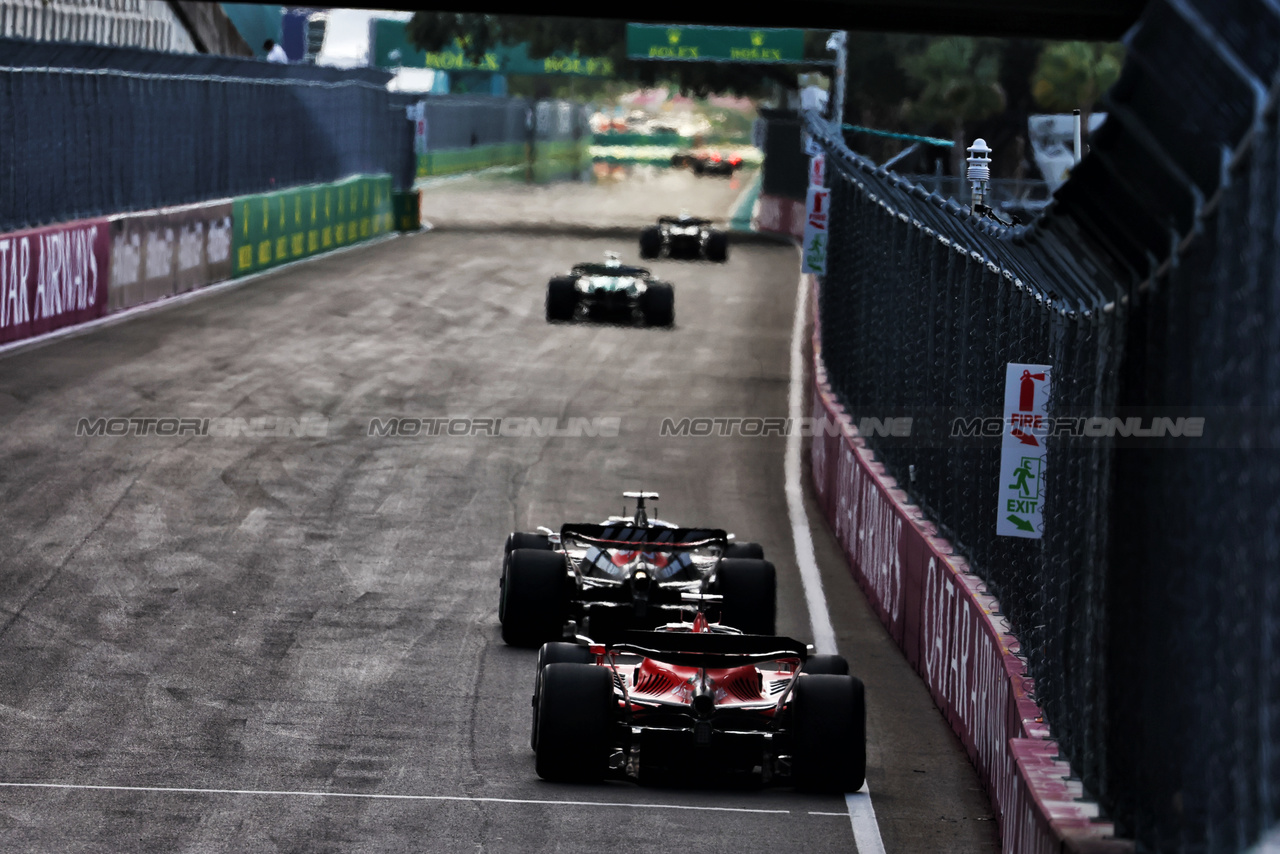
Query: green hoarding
[(714, 44), (276, 228), (390, 48)]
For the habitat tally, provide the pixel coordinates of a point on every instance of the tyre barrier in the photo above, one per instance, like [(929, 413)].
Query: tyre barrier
[(951, 632)]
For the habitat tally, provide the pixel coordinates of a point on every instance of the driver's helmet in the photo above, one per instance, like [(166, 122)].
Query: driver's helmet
[(611, 259), (685, 216)]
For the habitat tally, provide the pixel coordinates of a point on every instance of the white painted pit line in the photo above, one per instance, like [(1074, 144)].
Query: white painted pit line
[(866, 831)]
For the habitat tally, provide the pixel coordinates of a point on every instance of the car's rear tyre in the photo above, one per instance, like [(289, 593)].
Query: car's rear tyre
[(828, 665), (750, 591), (520, 540), (575, 723), (699, 167), (517, 540), (829, 733), (659, 304), (556, 652), (718, 246), (751, 551), (651, 242), (534, 602), (562, 299)]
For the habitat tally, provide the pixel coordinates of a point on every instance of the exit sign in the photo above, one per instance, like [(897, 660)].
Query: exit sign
[(714, 44)]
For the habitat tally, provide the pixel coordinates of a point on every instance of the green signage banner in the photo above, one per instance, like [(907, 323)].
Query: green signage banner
[(391, 48), (714, 44)]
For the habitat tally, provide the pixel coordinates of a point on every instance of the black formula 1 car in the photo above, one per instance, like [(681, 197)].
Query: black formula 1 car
[(685, 237), (696, 702), (611, 289), (628, 572)]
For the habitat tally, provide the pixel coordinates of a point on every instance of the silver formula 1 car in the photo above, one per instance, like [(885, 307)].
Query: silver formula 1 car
[(611, 289), (684, 237), (629, 572)]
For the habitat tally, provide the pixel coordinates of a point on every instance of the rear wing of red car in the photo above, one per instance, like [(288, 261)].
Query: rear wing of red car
[(709, 650), (655, 539)]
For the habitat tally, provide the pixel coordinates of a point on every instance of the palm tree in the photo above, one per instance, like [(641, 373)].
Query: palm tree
[(959, 82)]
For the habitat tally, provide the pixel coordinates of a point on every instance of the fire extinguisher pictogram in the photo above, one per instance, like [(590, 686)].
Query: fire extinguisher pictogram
[(1027, 398)]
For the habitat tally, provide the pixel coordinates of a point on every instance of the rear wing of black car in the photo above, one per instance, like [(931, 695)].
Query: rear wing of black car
[(675, 220), (709, 650), (655, 539)]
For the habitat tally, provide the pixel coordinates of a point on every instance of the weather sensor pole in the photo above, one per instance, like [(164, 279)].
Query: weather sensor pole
[(979, 173)]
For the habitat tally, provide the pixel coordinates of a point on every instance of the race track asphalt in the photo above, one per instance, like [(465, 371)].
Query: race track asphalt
[(289, 643)]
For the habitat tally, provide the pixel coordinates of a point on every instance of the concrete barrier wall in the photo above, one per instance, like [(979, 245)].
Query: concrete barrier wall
[(452, 161), (277, 228), (53, 277), (156, 254), (950, 630)]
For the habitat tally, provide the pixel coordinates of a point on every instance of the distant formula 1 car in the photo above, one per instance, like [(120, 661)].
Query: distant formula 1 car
[(707, 162), (628, 572), (611, 289), (693, 702), (684, 237)]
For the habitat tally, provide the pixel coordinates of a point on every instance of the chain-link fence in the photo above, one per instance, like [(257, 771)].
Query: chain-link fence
[(1149, 613), (86, 131)]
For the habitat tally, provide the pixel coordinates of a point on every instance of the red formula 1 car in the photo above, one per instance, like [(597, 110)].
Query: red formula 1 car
[(698, 701), (707, 162)]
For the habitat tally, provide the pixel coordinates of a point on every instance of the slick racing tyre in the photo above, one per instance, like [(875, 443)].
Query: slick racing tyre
[(651, 242), (750, 591), (748, 550), (830, 665), (575, 723), (562, 299), (518, 540), (718, 247), (534, 602), (659, 304), (537, 542), (828, 733), (556, 652)]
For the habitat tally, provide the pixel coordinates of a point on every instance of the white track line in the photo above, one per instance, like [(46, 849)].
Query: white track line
[(866, 832), (174, 790), (824, 636)]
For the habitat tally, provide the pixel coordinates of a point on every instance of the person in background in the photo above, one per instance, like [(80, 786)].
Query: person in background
[(275, 53)]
